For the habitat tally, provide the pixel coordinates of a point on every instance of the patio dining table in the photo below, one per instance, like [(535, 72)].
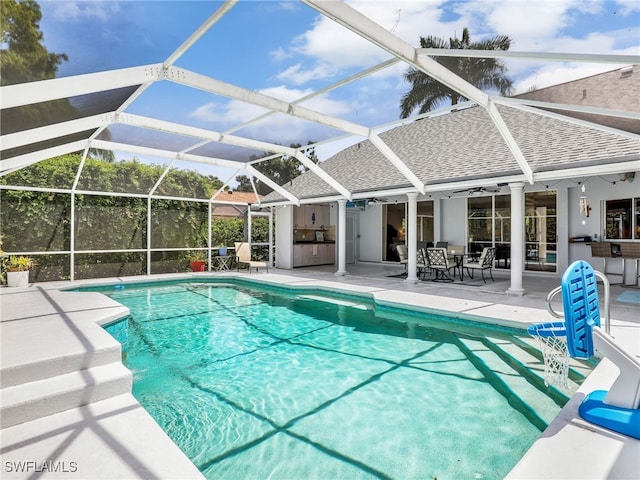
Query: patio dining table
[(458, 259)]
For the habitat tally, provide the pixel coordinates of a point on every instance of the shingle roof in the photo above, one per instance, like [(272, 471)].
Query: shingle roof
[(233, 211), (600, 90), (236, 196), (462, 146)]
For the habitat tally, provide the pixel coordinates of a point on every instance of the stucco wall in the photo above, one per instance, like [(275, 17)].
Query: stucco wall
[(453, 221), (597, 191)]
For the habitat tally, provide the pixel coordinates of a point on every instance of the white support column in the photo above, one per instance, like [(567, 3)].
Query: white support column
[(209, 235), (517, 238), (72, 256), (271, 236), (149, 235), (249, 226), (342, 237), (412, 237)]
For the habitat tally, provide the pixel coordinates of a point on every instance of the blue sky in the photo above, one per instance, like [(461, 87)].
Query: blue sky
[(287, 50)]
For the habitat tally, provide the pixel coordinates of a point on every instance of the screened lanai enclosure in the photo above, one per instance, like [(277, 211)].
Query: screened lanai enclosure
[(113, 219), (119, 171)]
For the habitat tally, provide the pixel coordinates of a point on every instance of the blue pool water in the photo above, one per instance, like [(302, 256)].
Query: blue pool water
[(257, 384)]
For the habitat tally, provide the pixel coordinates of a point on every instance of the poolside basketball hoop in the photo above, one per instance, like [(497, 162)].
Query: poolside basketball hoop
[(580, 336), (552, 341)]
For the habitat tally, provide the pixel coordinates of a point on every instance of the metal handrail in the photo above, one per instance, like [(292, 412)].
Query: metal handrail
[(607, 301)]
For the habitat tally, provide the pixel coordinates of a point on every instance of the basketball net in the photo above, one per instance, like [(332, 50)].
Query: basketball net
[(556, 360)]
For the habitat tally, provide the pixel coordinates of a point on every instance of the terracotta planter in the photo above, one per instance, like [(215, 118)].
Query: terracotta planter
[(198, 266), (18, 279)]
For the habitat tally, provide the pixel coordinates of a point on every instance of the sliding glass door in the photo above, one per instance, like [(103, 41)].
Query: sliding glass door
[(394, 223), (489, 224), (540, 231)]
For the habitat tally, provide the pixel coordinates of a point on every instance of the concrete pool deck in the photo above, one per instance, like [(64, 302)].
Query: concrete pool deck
[(66, 398)]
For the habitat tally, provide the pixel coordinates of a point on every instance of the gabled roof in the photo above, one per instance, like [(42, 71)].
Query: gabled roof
[(463, 148), (236, 196), (617, 89), (235, 210)]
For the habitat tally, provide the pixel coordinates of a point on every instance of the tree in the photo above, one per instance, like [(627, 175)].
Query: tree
[(25, 59), (484, 73), (280, 169)]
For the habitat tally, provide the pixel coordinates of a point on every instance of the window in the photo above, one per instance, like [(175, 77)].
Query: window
[(636, 235), (619, 221), (489, 221)]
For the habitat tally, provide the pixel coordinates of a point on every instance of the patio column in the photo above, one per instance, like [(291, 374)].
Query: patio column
[(412, 237), (342, 237), (517, 238)]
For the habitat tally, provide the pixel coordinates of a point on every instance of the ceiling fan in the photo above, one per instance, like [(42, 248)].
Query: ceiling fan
[(473, 190)]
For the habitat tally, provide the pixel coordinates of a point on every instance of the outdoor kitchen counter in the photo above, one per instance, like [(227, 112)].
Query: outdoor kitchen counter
[(314, 253)]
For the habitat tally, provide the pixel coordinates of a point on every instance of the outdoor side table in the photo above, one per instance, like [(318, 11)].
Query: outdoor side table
[(223, 262)]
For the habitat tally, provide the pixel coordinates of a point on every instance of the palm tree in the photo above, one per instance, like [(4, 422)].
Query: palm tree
[(484, 73)]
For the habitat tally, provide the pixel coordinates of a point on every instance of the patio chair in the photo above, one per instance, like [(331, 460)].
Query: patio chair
[(243, 255), (503, 252), (422, 263), (485, 262), (442, 244), (438, 262), (533, 255), (631, 251), (402, 253)]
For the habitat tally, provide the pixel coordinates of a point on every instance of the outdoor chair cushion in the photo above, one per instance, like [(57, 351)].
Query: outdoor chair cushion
[(485, 262), (243, 254)]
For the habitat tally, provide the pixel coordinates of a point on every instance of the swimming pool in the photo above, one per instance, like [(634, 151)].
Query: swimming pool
[(267, 383)]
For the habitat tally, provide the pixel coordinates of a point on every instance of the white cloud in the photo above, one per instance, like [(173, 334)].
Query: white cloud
[(331, 48), (297, 75), (288, 5), (280, 54), (80, 11), (278, 128), (626, 7)]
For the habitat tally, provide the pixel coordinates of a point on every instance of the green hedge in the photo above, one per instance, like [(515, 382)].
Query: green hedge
[(32, 221)]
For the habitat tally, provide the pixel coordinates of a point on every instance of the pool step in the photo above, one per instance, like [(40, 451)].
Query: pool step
[(40, 398), (47, 366), (56, 344), (517, 374)]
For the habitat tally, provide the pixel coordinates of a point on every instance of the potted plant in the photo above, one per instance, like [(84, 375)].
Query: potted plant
[(197, 260), (18, 267)]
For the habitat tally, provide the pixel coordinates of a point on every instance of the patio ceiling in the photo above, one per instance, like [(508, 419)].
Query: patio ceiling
[(102, 118)]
